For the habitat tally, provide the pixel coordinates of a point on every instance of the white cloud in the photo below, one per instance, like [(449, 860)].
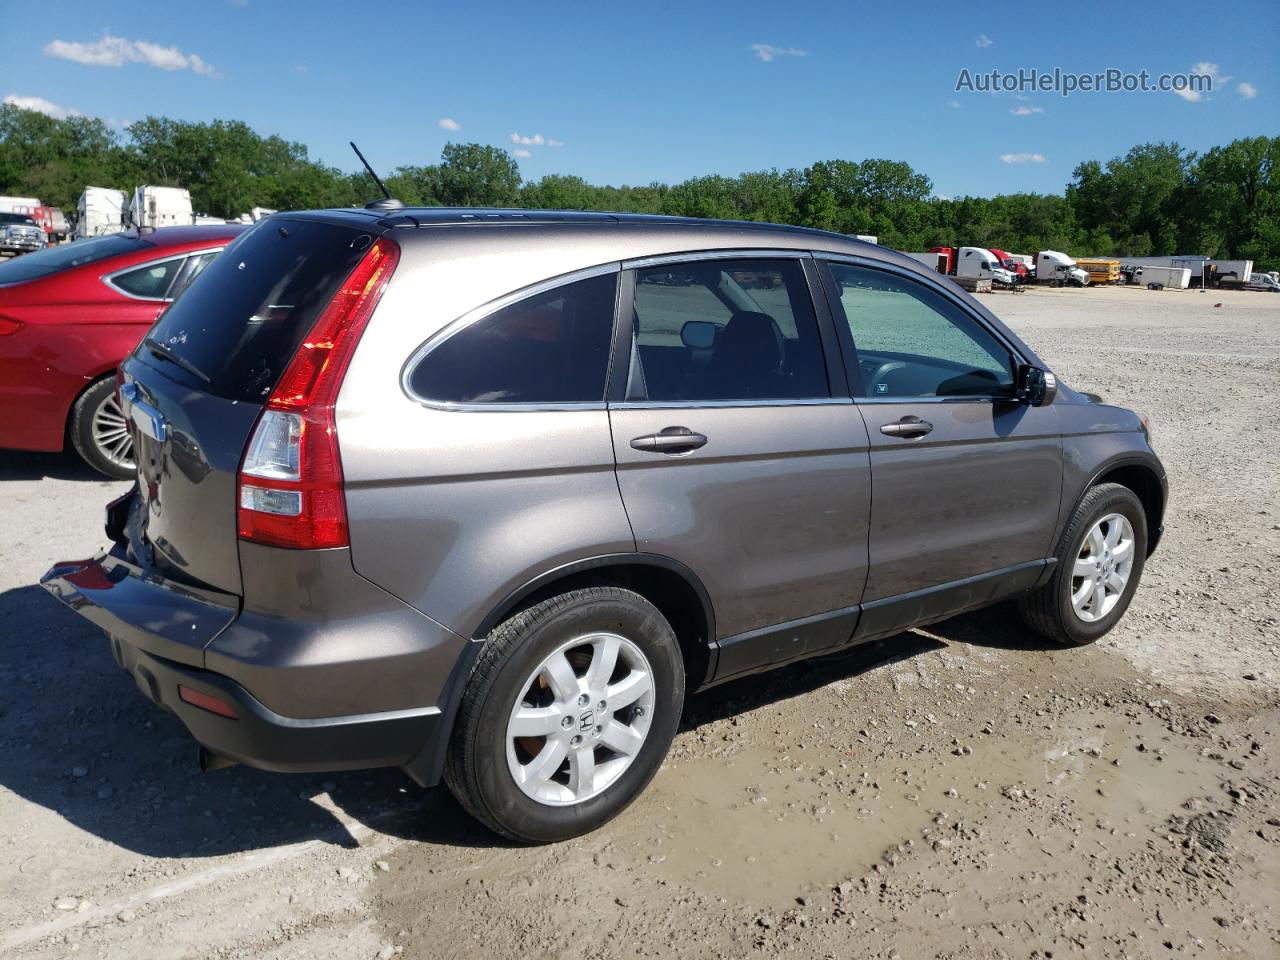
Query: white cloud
[(520, 153), (448, 123), (954, 104), (1022, 158), (984, 41), (1026, 111), (1247, 90), (300, 68), (111, 51), (555, 143), (536, 140), (41, 105), (1204, 69), (768, 52)]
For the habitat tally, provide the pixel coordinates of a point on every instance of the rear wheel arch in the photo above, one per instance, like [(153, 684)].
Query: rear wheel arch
[(666, 583)]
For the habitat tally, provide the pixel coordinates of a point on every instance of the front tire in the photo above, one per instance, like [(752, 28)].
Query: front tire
[(1100, 562), (567, 715), (99, 431)]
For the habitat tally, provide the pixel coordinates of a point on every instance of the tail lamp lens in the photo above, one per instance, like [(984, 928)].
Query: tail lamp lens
[(291, 477)]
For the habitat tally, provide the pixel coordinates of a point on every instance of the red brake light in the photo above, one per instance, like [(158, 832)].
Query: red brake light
[(290, 485)]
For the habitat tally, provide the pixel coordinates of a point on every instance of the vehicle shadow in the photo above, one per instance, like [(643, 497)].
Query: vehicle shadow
[(77, 738), (25, 465)]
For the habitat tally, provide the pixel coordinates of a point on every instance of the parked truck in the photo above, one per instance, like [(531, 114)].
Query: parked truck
[(1015, 265), (974, 263), (99, 210), (160, 207), (1211, 271), (1057, 269)]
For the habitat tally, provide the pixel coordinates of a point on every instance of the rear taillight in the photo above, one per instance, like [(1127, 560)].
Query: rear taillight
[(290, 485), (8, 326)]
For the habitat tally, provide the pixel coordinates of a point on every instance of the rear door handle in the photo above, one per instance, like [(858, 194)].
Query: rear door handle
[(908, 428), (670, 440)]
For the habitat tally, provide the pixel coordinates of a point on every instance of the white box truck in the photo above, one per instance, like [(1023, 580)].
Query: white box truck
[(99, 210), (160, 207), (1058, 269), (934, 261)]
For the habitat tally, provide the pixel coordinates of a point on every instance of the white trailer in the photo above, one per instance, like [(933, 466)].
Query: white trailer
[(160, 207), (1215, 271), (980, 263), (934, 261), (99, 210), (25, 205), (1172, 278)]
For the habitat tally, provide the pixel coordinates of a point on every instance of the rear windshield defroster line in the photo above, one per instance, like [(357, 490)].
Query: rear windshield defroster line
[(243, 318)]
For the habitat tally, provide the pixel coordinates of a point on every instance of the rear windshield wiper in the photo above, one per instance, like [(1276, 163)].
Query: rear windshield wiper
[(163, 352)]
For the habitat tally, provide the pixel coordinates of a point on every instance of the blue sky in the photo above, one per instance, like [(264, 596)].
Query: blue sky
[(658, 91)]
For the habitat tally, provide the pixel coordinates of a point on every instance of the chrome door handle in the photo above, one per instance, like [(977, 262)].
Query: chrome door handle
[(670, 440), (908, 428)]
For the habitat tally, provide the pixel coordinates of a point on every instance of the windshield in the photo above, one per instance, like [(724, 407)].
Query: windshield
[(16, 218), (65, 256)]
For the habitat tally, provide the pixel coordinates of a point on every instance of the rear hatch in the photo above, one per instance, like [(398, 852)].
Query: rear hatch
[(196, 384)]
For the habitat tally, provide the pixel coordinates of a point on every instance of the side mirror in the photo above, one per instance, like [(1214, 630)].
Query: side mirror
[(699, 334), (1036, 387)]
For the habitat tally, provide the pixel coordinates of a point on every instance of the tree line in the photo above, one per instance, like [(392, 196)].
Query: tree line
[(1158, 198)]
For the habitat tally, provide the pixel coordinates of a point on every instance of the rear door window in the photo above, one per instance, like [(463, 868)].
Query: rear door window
[(552, 347), (726, 330), (245, 315)]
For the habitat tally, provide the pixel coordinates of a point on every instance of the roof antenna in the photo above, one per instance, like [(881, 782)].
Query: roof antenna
[(388, 202)]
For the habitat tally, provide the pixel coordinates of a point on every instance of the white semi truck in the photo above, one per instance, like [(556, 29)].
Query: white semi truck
[(99, 210), (160, 207), (1056, 268), (981, 264)]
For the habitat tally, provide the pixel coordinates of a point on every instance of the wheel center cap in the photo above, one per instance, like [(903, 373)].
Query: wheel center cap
[(586, 721)]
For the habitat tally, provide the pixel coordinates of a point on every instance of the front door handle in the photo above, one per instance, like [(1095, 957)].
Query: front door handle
[(670, 440), (908, 428)]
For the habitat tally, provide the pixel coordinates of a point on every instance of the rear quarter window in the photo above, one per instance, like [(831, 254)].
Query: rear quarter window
[(552, 347), (241, 320)]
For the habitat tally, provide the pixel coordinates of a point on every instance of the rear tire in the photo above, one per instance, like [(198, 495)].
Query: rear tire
[(98, 431), (576, 718), (1052, 610)]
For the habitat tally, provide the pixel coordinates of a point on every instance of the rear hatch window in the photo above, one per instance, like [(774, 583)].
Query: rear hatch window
[(241, 321)]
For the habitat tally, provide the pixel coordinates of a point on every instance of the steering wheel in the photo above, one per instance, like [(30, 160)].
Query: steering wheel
[(883, 371)]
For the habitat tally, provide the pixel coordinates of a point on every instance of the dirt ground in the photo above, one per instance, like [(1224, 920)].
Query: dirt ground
[(957, 792)]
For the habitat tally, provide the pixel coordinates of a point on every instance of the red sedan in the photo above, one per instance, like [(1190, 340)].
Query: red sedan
[(69, 315)]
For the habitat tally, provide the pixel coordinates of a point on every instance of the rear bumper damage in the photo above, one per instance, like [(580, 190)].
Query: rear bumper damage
[(216, 667)]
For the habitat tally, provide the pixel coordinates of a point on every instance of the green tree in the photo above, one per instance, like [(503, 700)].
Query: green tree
[(474, 175)]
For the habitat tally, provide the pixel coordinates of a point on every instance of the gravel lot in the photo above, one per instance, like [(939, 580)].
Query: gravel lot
[(962, 791)]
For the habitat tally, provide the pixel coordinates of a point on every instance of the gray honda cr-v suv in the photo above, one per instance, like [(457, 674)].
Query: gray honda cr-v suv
[(483, 495)]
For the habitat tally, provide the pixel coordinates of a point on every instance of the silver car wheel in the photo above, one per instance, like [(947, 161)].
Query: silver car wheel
[(1102, 569), (580, 719), (111, 433)]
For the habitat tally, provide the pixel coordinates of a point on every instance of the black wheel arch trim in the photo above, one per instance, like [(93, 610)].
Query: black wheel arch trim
[(601, 562), (1148, 463)]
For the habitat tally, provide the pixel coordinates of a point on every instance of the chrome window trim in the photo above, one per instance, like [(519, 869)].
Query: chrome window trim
[(949, 295), (744, 253), (455, 326), (714, 404), (109, 278)]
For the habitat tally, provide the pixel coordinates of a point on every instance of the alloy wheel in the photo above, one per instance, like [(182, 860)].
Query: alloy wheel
[(111, 433), (580, 719), (1102, 568)]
